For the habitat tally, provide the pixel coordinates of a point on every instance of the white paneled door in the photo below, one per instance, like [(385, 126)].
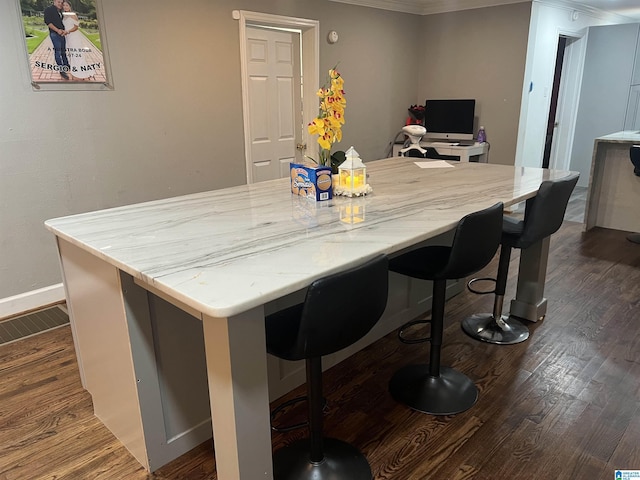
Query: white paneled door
[(274, 101)]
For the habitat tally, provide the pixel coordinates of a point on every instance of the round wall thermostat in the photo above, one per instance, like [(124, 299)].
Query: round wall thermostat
[(332, 37)]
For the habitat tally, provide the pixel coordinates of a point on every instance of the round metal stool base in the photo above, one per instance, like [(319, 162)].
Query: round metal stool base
[(450, 393), (482, 326), (342, 461)]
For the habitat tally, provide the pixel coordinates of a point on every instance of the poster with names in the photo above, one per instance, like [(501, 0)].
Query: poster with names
[(63, 41)]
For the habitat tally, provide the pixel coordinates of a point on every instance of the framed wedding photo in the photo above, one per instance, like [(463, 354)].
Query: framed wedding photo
[(65, 44)]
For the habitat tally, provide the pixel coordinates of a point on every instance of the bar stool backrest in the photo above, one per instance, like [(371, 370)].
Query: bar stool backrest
[(341, 308), (475, 242), (544, 213)]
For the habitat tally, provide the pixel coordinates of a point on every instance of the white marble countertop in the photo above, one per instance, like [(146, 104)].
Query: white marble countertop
[(621, 137), (226, 251)]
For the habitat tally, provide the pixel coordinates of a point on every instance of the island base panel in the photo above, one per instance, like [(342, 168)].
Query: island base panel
[(530, 303)]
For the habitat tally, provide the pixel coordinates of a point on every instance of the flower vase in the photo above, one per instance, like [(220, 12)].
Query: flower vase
[(325, 160), (324, 157)]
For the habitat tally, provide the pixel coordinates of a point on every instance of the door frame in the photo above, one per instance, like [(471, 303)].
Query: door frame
[(568, 98), (550, 145), (310, 46)]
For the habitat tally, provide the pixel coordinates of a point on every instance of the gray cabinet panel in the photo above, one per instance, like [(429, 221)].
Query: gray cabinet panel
[(632, 120), (635, 78)]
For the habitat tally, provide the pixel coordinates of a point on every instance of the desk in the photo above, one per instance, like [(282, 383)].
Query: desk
[(221, 256), (466, 153), (614, 191)]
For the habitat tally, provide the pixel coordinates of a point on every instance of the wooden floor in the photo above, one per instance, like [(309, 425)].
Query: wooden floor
[(563, 405)]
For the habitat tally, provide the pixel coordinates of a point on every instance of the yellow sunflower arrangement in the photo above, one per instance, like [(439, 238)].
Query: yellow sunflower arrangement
[(328, 124)]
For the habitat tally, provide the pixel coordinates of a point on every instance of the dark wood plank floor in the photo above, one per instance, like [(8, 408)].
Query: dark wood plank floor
[(563, 405)]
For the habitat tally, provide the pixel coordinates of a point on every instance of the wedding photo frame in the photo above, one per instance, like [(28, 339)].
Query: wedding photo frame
[(65, 44)]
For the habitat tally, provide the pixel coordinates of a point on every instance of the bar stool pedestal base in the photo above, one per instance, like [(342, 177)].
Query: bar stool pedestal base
[(342, 461), (447, 394), (482, 326)]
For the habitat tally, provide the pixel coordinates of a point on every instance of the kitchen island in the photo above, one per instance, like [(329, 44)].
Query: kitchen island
[(167, 299), (613, 197)]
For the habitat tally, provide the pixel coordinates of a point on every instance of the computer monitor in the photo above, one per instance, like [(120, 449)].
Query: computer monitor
[(449, 119)]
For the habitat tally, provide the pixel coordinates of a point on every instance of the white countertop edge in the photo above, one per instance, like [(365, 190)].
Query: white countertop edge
[(237, 308), (621, 137)]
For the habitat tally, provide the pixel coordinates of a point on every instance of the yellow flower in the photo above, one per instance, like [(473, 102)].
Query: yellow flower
[(334, 122), (325, 141), (316, 127), (328, 124)]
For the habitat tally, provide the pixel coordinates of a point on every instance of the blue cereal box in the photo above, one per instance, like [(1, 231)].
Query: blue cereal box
[(311, 181)]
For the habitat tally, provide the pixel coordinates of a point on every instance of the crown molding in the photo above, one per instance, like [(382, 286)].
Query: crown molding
[(430, 7), (404, 6), (577, 6), (422, 7)]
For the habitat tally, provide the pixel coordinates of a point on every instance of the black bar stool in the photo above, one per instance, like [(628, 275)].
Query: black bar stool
[(543, 216), (338, 311), (433, 388), (634, 154)]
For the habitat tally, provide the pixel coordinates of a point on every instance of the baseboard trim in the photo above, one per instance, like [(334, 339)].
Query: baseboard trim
[(33, 300)]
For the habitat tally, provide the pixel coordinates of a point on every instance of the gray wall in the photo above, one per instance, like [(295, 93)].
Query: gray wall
[(479, 54), (605, 90), (173, 123)]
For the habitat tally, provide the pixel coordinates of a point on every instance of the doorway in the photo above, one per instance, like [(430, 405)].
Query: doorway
[(555, 89), (276, 93), (275, 101), (563, 105)]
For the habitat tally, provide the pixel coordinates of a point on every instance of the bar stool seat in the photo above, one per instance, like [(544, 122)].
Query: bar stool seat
[(338, 310), (433, 388), (543, 216)]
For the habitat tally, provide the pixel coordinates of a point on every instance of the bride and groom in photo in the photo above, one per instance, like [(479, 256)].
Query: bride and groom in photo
[(68, 41)]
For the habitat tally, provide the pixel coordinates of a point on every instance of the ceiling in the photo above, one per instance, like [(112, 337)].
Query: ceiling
[(625, 8)]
